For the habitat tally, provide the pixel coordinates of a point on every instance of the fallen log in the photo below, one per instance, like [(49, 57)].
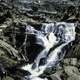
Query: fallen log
[(11, 51)]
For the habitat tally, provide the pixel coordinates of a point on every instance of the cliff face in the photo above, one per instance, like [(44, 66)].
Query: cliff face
[(59, 9), (50, 4)]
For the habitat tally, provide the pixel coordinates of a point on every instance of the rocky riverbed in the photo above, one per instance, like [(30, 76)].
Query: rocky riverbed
[(13, 21)]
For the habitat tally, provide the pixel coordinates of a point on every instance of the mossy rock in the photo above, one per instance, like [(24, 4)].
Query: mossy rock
[(7, 62), (7, 78)]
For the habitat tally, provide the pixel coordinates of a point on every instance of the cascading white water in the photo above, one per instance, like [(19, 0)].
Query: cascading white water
[(52, 35)]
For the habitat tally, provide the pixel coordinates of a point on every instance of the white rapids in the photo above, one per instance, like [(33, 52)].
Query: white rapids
[(57, 35)]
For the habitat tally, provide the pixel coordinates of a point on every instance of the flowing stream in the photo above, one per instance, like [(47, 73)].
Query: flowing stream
[(54, 37)]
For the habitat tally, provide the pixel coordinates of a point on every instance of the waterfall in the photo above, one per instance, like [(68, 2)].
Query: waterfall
[(52, 35)]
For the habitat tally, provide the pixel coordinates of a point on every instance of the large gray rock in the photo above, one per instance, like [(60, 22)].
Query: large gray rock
[(71, 70), (71, 61), (74, 77)]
